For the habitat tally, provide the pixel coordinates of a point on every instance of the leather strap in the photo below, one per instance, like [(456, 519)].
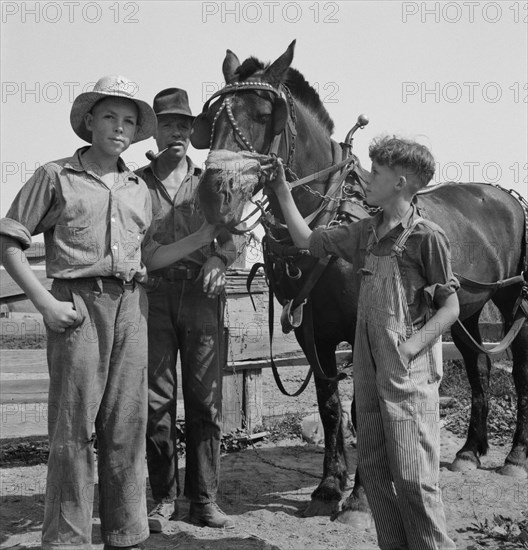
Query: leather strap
[(464, 281), (520, 318), (271, 320), (311, 280), (276, 376)]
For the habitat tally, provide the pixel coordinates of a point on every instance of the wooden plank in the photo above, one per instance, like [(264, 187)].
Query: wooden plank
[(253, 398), (232, 401), (25, 361), (248, 329), (24, 391)]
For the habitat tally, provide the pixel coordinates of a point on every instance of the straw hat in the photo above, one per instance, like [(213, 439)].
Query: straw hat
[(112, 86)]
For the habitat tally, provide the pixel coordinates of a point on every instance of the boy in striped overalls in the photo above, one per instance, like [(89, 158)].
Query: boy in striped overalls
[(407, 298)]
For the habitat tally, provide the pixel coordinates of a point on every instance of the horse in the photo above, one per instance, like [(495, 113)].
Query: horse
[(267, 108)]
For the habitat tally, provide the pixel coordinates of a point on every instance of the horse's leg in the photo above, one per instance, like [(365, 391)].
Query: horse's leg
[(327, 495), (478, 366), (516, 461), (356, 510)]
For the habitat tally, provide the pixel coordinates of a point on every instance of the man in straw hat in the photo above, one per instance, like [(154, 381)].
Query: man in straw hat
[(186, 316), (94, 214)]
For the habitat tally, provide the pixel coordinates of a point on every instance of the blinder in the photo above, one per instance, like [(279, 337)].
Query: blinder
[(280, 115), (201, 131)]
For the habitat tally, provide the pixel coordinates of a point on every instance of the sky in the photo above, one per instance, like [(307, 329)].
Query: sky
[(452, 75)]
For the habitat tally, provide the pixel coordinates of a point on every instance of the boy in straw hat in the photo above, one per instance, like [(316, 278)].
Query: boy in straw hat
[(94, 214)]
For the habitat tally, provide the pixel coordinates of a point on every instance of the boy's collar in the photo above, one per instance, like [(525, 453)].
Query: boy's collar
[(75, 163), (406, 222)]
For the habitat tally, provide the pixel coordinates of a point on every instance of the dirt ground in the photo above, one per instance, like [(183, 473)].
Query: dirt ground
[(266, 488)]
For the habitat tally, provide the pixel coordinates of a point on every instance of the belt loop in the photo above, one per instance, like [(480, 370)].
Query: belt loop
[(99, 283)]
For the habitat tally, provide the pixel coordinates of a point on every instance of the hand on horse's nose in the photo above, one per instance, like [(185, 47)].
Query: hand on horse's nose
[(226, 196)]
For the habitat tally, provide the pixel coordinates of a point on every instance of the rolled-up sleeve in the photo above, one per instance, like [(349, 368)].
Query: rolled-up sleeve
[(341, 241), (436, 258), (149, 247), (32, 210)]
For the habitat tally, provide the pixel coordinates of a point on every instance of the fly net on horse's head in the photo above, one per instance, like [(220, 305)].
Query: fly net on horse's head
[(229, 181)]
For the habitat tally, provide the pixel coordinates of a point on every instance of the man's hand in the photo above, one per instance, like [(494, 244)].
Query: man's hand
[(59, 315), (208, 231), (273, 172), (214, 279)]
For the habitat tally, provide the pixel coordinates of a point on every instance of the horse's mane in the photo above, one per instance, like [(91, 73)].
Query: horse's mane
[(298, 86)]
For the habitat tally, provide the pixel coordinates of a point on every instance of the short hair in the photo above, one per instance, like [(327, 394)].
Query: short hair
[(414, 157)]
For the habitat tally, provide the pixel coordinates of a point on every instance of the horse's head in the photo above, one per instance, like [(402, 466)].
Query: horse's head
[(255, 114), (237, 123)]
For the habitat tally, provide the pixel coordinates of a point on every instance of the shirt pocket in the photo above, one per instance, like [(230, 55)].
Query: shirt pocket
[(76, 245)]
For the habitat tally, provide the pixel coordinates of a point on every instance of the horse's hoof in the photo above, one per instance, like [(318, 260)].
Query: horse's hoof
[(465, 463), (320, 508), (513, 470), (356, 519)]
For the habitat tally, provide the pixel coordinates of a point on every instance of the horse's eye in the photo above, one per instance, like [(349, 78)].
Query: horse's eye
[(263, 117)]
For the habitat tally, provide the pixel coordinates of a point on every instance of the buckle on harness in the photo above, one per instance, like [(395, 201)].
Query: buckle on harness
[(291, 319)]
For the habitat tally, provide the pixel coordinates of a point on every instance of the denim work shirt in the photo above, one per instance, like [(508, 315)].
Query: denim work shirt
[(425, 264), (174, 219), (90, 230)]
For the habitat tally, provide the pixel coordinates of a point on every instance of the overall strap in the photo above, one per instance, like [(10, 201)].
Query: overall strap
[(399, 246)]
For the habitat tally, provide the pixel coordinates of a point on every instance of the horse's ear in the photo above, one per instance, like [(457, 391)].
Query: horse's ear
[(230, 65), (275, 72)]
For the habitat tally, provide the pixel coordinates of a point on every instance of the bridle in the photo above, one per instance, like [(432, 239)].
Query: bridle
[(228, 93), (284, 120)]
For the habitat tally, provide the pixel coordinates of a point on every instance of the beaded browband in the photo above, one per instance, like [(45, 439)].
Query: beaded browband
[(246, 85)]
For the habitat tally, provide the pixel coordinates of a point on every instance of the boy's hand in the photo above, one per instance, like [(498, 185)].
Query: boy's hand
[(275, 178), (59, 315), (407, 352)]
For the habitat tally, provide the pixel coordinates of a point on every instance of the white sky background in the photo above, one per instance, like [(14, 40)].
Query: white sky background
[(451, 74)]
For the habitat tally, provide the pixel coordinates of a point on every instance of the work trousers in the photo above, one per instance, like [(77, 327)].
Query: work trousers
[(98, 377), (184, 321)]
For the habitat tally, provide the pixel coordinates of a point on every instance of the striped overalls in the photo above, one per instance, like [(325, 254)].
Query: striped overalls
[(398, 414)]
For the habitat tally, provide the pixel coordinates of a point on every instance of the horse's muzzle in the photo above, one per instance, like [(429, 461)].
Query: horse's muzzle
[(217, 200)]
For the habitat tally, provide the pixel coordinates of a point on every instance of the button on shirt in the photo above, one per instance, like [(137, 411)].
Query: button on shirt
[(425, 264), (90, 230), (174, 219)]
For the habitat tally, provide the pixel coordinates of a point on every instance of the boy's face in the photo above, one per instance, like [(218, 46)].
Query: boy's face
[(174, 131), (113, 123), (383, 187)]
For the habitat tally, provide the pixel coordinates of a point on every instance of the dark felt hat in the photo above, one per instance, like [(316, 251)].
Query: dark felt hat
[(172, 101)]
